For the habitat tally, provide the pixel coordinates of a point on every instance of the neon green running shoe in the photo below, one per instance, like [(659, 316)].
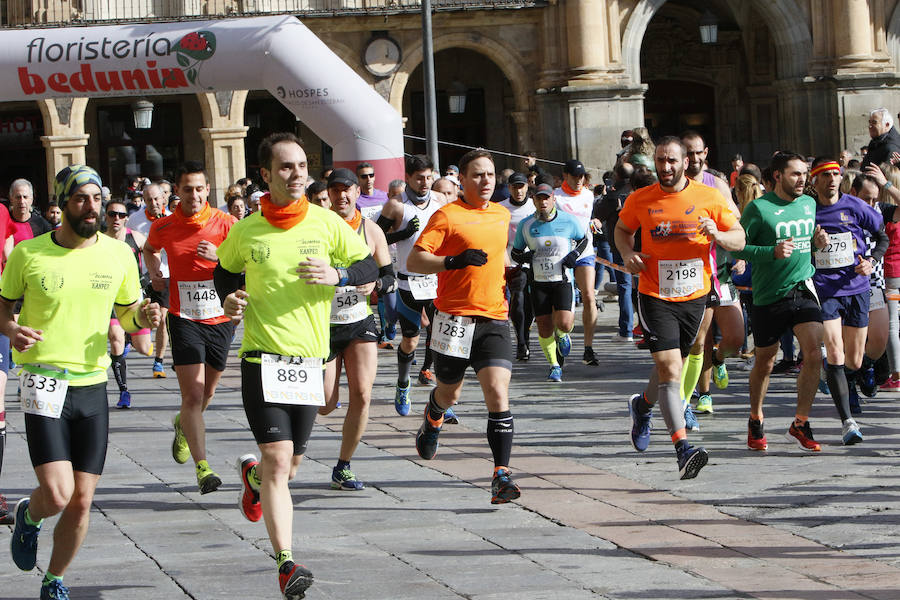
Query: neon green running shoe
[(180, 450), (704, 405), (207, 479), (720, 376)]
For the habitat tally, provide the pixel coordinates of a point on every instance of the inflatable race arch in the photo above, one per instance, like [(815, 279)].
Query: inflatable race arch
[(278, 54)]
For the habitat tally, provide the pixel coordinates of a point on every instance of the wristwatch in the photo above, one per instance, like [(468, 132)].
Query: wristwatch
[(343, 276)]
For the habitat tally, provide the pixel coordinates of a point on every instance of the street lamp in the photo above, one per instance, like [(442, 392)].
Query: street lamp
[(709, 27), (143, 113), (457, 98)]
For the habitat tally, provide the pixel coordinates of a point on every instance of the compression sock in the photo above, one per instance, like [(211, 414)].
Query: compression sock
[(691, 373), (2, 437), (672, 406), (435, 412), (284, 556), (500, 436), (404, 362), (548, 345), (840, 391), (118, 369)]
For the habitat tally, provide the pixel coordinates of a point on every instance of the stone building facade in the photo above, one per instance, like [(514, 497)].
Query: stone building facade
[(560, 77)]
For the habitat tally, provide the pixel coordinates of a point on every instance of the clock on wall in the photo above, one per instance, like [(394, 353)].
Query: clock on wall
[(382, 56)]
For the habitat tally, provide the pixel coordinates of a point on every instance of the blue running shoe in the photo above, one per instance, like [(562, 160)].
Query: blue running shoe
[(126, 350), (390, 331), (867, 384), (855, 408), (54, 590), (691, 460), (159, 371), (690, 421), (344, 479), (401, 400), (503, 488), (850, 433), (427, 437), (24, 542), (124, 399), (640, 426), (720, 376), (450, 417), (564, 344), (555, 374)]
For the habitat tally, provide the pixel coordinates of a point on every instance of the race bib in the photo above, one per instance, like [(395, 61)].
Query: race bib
[(680, 278), (347, 306), (42, 395), (876, 298), (199, 300), (292, 380), (423, 287), (838, 253), (547, 265), (369, 212), (451, 335)]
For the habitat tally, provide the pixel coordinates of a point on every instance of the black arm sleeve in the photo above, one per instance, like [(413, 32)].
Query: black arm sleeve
[(581, 245), (396, 236), (384, 222), (362, 271), (881, 244), (226, 282)]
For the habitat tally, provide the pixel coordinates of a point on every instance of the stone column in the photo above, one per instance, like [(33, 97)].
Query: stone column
[(854, 39), (586, 30), (223, 134), (65, 139)]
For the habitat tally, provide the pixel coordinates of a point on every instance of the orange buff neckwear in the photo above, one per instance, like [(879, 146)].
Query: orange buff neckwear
[(195, 221), (283, 217), (355, 220)]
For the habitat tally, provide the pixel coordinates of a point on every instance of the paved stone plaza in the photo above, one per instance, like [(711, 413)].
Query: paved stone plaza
[(595, 520)]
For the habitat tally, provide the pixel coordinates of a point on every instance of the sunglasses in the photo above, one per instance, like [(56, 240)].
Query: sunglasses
[(115, 213), (367, 175)]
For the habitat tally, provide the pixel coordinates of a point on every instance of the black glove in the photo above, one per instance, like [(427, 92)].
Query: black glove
[(522, 256), (570, 259), (411, 227), (470, 257)]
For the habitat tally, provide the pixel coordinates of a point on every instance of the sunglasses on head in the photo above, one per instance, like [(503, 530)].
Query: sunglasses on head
[(115, 213)]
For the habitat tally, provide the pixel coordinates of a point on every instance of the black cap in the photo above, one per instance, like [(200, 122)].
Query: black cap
[(518, 179), (574, 167), (343, 176), (544, 189)]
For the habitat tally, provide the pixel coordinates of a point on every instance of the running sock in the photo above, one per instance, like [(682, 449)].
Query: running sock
[(50, 578), (284, 556), (342, 464), (435, 412), (548, 345), (29, 520), (840, 391), (118, 369), (404, 362), (672, 405), (691, 375), (500, 436), (641, 406)]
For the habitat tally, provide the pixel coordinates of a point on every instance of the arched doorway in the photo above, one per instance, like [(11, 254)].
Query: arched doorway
[(672, 106), (484, 121)]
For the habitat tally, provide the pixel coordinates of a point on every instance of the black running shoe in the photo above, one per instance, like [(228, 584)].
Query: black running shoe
[(503, 488), (867, 383), (589, 358), (427, 437), (294, 580), (691, 460)]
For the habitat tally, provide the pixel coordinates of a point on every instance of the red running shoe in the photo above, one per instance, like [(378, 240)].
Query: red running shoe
[(249, 499)]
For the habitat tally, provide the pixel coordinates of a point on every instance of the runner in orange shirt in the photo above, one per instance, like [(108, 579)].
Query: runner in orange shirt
[(199, 331), (465, 244), (678, 219)]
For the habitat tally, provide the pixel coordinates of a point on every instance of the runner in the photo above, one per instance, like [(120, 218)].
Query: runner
[(842, 283), (199, 329), (353, 332), (723, 303), (780, 227), (678, 219), (70, 280), (577, 200), (156, 199), (403, 218), (520, 310), (285, 341), (465, 244), (371, 199), (551, 241), (6, 234), (116, 213)]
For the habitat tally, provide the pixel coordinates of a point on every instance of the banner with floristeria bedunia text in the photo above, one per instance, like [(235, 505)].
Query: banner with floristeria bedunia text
[(278, 54)]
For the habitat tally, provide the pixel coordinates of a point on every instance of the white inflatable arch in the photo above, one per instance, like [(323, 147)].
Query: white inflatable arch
[(278, 54)]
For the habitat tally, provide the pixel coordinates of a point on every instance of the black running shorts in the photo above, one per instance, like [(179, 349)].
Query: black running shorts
[(194, 343), (274, 422), (79, 435), (549, 296), (343, 335), (770, 321), (409, 311), (491, 347), (668, 325)]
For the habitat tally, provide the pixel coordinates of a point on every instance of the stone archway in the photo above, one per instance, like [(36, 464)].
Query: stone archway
[(793, 41)]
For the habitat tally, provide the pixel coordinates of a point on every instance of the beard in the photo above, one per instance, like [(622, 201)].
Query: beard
[(79, 226)]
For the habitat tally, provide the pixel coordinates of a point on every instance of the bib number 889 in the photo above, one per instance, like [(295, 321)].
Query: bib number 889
[(290, 375)]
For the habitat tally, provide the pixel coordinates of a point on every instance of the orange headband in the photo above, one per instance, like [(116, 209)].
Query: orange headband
[(826, 166)]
